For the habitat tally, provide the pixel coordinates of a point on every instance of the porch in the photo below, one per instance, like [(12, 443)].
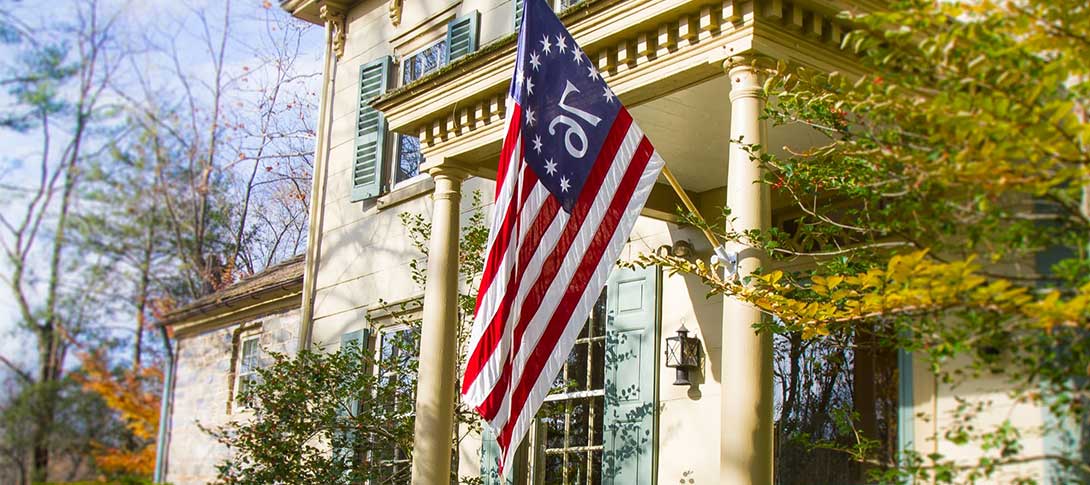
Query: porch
[(689, 72)]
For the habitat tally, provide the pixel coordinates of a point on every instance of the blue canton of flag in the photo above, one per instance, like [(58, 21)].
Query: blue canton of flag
[(567, 108)]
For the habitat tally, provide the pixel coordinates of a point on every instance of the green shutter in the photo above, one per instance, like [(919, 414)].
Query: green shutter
[(359, 338), (462, 35), (370, 131), (519, 7), (632, 324)]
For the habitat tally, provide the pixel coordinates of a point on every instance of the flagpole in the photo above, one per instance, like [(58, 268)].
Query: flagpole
[(689, 204)]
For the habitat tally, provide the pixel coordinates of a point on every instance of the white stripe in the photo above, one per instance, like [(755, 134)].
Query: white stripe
[(490, 373), (586, 303), (570, 262), (504, 268)]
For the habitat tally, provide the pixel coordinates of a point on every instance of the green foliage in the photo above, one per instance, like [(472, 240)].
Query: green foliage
[(946, 211), (81, 423), (347, 416)]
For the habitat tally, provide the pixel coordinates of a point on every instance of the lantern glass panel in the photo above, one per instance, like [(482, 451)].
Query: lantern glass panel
[(674, 352)]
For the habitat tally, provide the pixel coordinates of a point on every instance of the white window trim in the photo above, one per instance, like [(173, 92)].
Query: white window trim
[(239, 374)]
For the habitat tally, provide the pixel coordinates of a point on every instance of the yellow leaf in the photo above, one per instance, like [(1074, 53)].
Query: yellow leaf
[(833, 281)]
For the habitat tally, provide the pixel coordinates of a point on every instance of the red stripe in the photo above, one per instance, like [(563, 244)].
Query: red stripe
[(558, 323), (503, 239), (492, 334), (508, 148), (551, 266)]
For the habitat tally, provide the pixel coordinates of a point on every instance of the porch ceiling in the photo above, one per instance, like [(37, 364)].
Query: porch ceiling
[(690, 128)]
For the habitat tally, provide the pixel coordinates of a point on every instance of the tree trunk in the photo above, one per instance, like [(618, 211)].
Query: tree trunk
[(142, 295)]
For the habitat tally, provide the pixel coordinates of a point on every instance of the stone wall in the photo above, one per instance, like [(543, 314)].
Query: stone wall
[(203, 387)]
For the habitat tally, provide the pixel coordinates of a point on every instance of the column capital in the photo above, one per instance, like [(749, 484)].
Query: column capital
[(446, 169), (754, 62), (747, 74)]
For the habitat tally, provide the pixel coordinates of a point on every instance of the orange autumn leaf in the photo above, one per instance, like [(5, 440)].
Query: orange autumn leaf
[(128, 395)]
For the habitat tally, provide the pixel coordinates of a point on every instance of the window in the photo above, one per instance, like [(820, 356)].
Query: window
[(558, 6), (415, 67), (597, 423), (395, 397), (248, 362), (373, 170), (820, 386), (570, 426)]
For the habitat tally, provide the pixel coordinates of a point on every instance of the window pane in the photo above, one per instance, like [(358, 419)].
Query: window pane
[(571, 420), (409, 158), (248, 361), (394, 401), (597, 374), (415, 67)]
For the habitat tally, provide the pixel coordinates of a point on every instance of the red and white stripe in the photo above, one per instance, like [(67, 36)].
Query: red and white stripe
[(544, 271)]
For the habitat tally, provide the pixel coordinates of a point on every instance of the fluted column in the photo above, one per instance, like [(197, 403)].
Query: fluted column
[(438, 334), (747, 432)]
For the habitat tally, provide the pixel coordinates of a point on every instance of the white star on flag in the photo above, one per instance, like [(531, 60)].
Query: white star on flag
[(564, 184), (577, 55), (550, 166), (529, 86), (592, 72), (561, 44), (608, 95), (537, 143), (535, 60), (545, 45), (530, 117)]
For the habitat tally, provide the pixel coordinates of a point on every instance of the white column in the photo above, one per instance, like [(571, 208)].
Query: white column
[(747, 433), (438, 335)]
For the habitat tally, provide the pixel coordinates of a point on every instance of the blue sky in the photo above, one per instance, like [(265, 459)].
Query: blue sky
[(140, 21)]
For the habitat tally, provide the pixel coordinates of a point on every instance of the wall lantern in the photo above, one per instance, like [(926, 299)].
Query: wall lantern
[(683, 353)]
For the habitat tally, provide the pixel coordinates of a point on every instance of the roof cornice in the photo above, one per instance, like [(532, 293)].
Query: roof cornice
[(310, 10)]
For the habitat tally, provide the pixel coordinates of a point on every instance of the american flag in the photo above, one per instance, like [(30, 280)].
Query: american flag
[(574, 173)]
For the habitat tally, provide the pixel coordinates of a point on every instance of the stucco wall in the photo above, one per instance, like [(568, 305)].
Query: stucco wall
[(202, 390), (688, 428)]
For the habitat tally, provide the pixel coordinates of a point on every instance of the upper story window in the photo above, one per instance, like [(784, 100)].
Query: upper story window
[(558, 6), (415, 67), (424, 62), (377, 167)]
